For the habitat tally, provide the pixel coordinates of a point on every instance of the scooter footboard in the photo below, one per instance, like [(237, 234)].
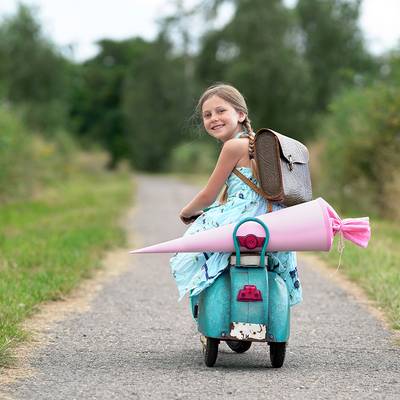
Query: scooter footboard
[(278, 310)]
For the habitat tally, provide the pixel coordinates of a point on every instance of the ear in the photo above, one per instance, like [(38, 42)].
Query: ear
[(242, 116)]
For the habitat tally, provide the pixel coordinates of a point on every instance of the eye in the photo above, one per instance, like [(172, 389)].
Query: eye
[(220, 111)]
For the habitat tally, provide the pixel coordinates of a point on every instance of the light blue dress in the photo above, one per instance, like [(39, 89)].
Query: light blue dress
[(193, 272)]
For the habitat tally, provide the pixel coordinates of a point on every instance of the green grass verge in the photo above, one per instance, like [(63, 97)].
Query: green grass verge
[(48, 245), (376, 269)]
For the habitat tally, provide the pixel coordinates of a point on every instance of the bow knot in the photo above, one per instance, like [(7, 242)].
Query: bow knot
[(356, 230)]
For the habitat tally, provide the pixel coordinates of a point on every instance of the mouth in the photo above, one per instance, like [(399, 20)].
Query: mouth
[(216, 127)]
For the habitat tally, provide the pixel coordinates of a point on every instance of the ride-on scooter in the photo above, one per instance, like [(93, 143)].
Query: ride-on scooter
[(248, 302)]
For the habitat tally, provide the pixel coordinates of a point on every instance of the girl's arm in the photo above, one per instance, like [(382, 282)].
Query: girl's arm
[(230, 154)]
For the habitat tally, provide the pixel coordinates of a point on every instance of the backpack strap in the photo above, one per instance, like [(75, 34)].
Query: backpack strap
[(254, 187)]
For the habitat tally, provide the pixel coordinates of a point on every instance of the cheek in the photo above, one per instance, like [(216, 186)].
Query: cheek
[(234, 117), (206, 126)]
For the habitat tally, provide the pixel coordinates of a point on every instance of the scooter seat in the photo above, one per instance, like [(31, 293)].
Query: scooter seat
[(247, 259)]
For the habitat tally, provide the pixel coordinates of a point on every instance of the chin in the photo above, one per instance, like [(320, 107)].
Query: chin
[(216, 135), (222, 136)]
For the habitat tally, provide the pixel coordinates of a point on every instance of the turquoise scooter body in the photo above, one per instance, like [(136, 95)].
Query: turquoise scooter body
[(246, 303)]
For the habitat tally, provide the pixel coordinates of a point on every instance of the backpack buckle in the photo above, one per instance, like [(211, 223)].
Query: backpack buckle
[(290, 165)]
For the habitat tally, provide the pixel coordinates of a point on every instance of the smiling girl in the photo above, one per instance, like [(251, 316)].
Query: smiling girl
[(225, 117)]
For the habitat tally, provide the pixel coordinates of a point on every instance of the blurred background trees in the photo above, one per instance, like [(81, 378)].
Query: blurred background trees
[(305, 71), (333, 47), (258, 52), (34, 75)]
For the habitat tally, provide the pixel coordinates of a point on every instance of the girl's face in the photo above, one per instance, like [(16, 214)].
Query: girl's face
[(220, 119)]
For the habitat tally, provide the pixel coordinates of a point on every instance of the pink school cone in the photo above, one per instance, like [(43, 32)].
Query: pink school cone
[(308, 226)]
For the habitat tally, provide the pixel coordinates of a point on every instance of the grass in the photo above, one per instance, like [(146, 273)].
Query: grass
[(49, 244), (376, 269)]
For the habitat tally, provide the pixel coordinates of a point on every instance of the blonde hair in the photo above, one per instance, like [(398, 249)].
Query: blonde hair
[(231, 95)]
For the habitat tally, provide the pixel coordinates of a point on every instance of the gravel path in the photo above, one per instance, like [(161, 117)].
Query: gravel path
[(135, 341)]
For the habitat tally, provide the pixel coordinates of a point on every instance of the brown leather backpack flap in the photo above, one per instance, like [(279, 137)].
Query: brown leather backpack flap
[(267, 156)]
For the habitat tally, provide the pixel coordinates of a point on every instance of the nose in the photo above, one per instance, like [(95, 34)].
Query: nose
[(214, 117)]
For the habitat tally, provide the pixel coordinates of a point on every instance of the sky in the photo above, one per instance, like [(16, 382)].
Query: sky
[(73, 25)]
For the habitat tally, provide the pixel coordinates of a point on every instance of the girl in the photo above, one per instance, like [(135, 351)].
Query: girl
[(225, 117)]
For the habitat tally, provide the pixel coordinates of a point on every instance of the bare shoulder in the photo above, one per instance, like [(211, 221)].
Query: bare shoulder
[(236, 146)]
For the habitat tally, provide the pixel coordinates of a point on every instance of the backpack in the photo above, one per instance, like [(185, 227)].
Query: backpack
[(283, 169)]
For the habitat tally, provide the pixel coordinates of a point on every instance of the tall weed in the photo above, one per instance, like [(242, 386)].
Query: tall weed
[(28, 161)]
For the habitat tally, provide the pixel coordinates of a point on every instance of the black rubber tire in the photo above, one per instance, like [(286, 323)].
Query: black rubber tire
[(277, 352), (239, 346), (211, 351)]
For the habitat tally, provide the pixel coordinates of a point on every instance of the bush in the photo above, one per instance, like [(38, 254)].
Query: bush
[(197, 158), (361, 140), (29, 162), (16, 157)]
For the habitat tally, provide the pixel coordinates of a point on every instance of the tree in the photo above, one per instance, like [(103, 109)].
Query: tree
[(156, 104), (258, 52), (333, 46), (97, 103), (33, 73)]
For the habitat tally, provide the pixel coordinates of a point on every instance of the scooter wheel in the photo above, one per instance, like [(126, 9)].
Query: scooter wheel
[(277, 352), (238, 346), (211, 351)]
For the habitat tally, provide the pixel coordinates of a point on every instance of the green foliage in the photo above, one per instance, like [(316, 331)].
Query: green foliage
[(97, 97), (16, 157), (49, 244), (131, 98), (135, 96), (258, 52), (194, 157), (362, 146), (390, 67), (29, 162), (333, 46), (288, 63), (33, 74), (156, 104)]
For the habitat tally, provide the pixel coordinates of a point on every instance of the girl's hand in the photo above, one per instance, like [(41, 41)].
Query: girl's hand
[(188, 219)]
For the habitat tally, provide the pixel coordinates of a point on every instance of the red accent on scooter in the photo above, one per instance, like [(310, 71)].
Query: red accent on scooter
[(250, 241), (249, 293)]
